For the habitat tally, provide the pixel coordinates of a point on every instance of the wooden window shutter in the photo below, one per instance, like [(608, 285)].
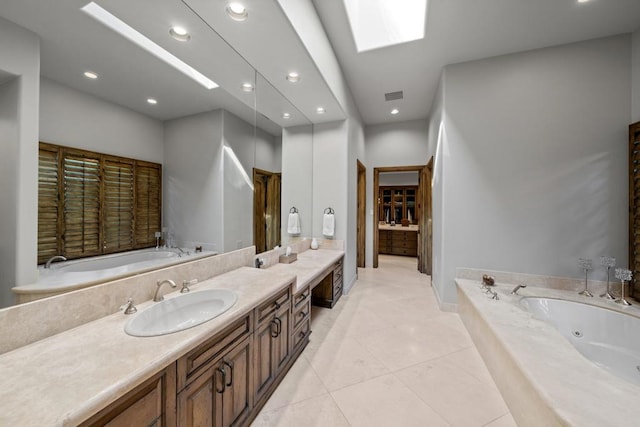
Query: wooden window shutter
[(48, 202), (148, 177), (118, 204), (81, 203)]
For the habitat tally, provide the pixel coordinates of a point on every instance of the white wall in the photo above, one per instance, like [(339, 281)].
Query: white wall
[(635, 76), (297, 177), (20, 56), (75, 119), (9, 100), (535, 172), (398, 178), (392, 144), (192, 179)]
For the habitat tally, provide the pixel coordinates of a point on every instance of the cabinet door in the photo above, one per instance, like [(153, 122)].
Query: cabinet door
[(264, 365), (198, 403), (283, 339), (236, 397)]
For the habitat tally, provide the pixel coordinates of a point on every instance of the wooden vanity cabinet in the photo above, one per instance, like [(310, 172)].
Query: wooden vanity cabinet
[(273, 342), (398, 242), (153, 403), (301, 319), (329, 290), (217, 379)]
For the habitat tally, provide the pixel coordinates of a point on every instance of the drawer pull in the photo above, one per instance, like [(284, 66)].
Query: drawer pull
[(303, 314), (224, 380), (230, 365), (278, 324)]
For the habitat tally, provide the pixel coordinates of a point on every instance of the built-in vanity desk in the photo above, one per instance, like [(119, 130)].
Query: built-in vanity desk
[(218, 373)]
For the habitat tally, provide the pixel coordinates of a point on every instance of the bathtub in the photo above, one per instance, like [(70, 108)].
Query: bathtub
[(608, 338), (69, 275), (558, 358)]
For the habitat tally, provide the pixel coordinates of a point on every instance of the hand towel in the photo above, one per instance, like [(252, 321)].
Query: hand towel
[(293, 226), (328, 224)]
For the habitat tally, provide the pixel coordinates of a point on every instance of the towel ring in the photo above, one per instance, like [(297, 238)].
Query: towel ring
[(329, 211), (293, 210)]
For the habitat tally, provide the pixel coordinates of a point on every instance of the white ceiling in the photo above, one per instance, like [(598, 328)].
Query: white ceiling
[(459, 31), (227, 51)]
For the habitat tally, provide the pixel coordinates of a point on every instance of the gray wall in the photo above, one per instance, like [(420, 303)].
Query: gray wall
[(71, 118), (535, 172), (20, 57), (398, 178), (393, 144)]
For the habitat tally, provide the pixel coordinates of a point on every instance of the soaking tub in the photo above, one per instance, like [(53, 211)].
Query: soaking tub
[(561, 363), (69, 275)]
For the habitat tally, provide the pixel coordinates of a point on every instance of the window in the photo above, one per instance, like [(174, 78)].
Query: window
[(91, 203)]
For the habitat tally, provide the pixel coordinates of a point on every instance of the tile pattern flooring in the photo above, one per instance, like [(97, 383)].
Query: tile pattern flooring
[(385, 355)]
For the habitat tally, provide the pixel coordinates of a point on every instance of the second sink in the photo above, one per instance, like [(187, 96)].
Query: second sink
[(180, 313)]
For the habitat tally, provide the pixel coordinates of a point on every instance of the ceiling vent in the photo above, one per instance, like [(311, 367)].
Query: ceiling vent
[(392, 96)]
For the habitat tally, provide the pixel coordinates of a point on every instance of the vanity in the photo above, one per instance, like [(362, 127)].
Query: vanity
[(218, 373), (398, 240)]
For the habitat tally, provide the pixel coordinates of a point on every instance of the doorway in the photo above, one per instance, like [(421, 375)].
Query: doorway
[(397, 209), (362, 218), (266, 209)]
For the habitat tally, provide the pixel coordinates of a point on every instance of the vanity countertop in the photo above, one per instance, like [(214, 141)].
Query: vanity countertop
[(398, 227), (66, 378), (309, 266)]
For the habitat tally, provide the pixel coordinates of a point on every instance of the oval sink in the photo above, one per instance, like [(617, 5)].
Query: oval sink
[(180, 313)]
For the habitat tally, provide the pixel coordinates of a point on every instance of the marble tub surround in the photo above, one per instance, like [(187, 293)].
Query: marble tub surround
[(66, 378), (543, 378), (27, 323), (596, 287)]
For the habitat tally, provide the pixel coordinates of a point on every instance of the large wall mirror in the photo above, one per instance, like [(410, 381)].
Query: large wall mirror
[(215, 144)]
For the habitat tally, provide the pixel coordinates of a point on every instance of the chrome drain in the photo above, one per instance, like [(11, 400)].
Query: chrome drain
[(577, 334)]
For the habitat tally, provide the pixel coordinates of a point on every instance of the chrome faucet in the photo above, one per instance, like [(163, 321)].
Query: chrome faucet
[(517, 288), (157, 297), (54, 258)]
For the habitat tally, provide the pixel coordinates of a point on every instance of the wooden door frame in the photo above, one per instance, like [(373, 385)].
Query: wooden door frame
[(361, 225), (376, 195)]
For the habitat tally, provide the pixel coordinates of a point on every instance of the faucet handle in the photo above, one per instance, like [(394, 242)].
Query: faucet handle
[(186, 284), (129, 308)]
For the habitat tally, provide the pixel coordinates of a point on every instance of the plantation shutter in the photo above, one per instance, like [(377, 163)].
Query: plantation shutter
[(118, 204), (148, 179), (81, 204), (48, 203)]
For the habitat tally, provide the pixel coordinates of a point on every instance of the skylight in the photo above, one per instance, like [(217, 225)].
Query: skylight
[(136, 37), (380, 23)]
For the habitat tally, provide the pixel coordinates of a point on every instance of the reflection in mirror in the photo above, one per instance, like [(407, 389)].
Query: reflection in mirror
[(206, 139)]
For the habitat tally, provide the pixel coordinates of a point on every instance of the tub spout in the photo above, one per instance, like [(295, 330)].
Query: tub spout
[(517, 288), (157, 297), (54, 258)]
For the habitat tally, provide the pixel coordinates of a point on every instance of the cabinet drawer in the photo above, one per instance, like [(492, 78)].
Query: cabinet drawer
[(301, 298), (266, 310), (302, 333), (404, 251), (302, 313), (197, 361), (409, 244)]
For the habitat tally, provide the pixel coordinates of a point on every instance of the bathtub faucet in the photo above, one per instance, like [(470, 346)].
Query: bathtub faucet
[(54, 258), (517, 288), (157, 297)]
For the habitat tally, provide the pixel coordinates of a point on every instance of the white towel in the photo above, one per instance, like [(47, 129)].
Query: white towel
[(328, 224), (293, 227)]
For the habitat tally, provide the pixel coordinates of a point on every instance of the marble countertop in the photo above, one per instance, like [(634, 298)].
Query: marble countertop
[(580, 392), (398, 227), (66, 378), (309, 266)]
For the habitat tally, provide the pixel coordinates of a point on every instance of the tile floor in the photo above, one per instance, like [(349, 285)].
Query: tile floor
[(385, 355)]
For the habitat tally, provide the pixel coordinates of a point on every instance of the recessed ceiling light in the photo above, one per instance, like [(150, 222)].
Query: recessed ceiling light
[(180, 34), (320, 110), (90, 75), (286, 116), (395, 111), (152, 101), (293, 77), (247, 87), (122, 28), (237, 11)]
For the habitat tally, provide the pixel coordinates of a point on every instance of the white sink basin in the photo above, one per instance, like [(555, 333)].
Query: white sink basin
[(180, 313)]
